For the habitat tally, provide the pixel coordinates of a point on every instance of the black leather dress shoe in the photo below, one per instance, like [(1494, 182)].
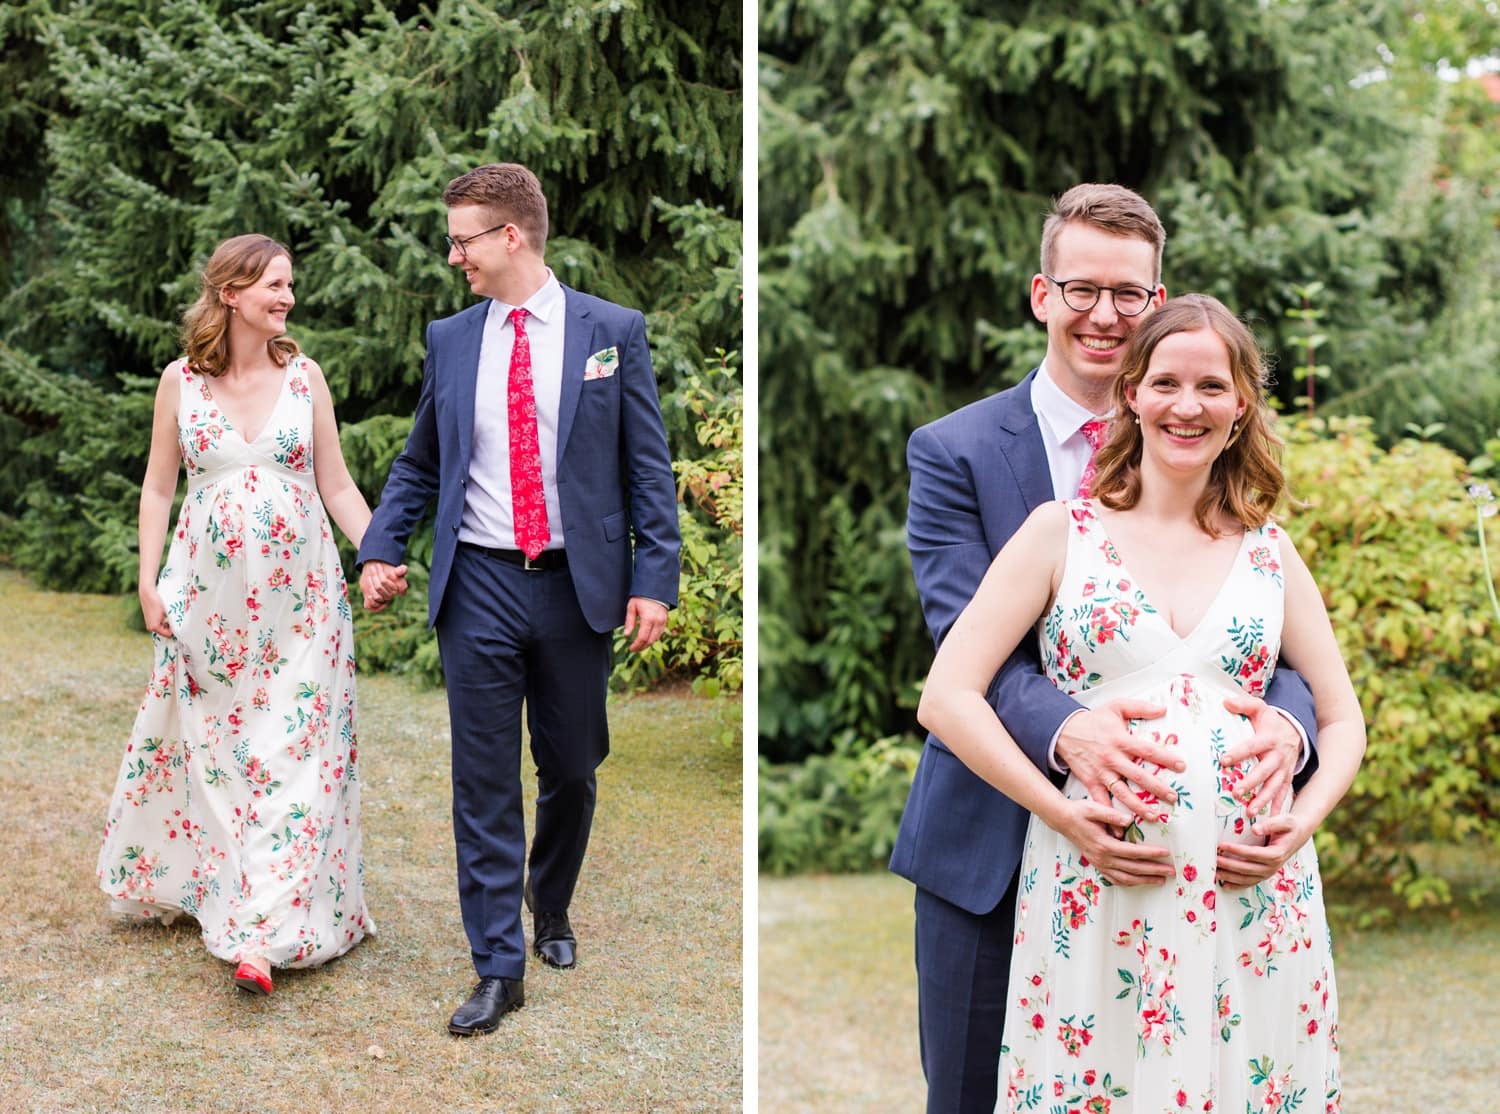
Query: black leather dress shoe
[(552, 939), (491, 1000)]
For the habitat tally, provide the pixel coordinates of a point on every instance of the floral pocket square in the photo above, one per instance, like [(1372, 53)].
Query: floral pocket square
[(602, 365)]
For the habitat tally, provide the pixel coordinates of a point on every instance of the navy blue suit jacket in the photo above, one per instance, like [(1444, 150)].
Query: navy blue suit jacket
[(976, 475), (614, 471)]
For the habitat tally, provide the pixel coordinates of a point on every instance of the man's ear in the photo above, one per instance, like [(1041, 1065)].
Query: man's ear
[(1039, 297)]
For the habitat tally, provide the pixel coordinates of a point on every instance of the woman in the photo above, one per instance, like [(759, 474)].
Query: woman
[(238, 798), (1173, 586)]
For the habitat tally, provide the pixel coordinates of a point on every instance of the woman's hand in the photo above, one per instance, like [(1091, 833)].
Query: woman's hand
[(1090, 827), (154, 611), (1246, 864)]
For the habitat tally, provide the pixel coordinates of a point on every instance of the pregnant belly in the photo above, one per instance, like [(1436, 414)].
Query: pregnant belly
[(1208, 808)]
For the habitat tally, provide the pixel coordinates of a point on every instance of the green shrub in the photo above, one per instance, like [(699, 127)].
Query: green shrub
[(1390, 538), (837, 811), (706, 633)]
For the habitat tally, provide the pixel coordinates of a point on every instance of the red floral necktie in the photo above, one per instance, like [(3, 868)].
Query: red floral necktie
[(1093, 432), (528, 503)]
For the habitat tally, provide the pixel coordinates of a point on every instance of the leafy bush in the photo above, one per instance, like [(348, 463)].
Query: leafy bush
[(1390, 537), (837, 811), (705, 635)]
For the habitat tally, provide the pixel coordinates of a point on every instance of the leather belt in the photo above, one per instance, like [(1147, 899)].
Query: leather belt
[(545, 561)]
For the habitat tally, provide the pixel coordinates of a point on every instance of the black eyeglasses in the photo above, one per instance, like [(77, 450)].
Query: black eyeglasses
[(1082, 296), (463, 242)]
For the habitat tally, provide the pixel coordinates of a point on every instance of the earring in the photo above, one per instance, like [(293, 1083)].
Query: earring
[(1137, 419)]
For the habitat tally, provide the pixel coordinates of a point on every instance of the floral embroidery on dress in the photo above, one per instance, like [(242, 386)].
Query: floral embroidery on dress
[(1205, 980), (237, 800)]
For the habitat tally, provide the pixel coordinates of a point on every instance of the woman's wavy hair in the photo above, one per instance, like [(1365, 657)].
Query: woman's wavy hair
[(235, 264), (1246, 481)]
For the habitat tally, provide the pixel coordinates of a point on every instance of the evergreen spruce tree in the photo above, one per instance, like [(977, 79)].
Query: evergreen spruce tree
[(908, 155), (333, 126)]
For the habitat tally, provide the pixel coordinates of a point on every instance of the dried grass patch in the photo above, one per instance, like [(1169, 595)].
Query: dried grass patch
[(100, 1015)]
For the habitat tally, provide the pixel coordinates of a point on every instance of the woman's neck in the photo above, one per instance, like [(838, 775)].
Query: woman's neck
[(1170, 497)]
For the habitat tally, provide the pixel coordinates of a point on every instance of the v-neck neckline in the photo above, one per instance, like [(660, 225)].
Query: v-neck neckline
[(248, 442), (1161, 615)]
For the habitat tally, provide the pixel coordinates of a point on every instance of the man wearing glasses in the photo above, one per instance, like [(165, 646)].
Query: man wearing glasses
[(539, 433), (976, 475)]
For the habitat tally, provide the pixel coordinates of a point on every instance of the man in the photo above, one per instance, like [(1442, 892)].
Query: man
[(539, 432), (975, 476)]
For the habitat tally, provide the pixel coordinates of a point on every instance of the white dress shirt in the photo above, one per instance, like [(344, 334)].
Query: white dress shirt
[(1060, 419), (487, 518)]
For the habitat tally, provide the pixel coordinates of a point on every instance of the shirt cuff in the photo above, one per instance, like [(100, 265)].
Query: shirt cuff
[(1058, 767), (1301, 734)]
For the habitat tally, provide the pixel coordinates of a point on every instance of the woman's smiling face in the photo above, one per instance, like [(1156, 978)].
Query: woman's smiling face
[(1186, 401)]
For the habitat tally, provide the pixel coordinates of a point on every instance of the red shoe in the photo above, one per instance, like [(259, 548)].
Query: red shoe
[(248, 978)]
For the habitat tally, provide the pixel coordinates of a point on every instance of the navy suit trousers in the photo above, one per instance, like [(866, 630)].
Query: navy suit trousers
[(963, 972), (510, 636)]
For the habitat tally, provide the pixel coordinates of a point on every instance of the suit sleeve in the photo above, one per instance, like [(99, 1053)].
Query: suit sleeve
[(1289, 692), (413, 480), (949, 557), (651, 487)]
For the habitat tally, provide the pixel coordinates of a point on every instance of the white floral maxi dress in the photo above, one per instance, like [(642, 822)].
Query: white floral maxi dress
[(238, 798), (1187, 996)]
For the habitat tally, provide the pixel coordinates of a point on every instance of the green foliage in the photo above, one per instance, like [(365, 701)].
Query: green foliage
[(705, 637), (836, 811), (148, 133), (1309, 371), (1406, 595), (908, 152)]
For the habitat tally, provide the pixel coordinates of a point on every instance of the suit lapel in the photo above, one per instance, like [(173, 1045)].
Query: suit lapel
[(1021, 442), (465, 364), (578, 336)]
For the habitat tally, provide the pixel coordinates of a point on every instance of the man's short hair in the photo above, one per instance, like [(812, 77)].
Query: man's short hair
[(1109, 208), (510, 192)]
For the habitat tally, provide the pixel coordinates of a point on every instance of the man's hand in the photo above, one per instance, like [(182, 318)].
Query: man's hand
[(647, 618), (1276, 745), (1097, 746), (1090, 827), (1245, 864), (380, 583)]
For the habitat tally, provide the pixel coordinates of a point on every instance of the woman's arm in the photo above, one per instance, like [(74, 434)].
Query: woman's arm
[(1308, 645), (341, 495), (1015, 592), (157, 489)]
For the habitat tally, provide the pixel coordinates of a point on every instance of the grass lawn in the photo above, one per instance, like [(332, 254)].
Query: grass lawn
[(100, 1015), (1419, 1000)]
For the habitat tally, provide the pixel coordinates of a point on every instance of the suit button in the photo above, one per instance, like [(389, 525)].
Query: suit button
[(455, 529)]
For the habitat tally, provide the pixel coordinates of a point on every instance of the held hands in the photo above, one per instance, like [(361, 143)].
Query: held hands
[(1099, 749), (1097, 746), (154, 611), (1244, 864), (1277, 746), (1091, 828), (1264, 791), (647, 618), (380, 583)]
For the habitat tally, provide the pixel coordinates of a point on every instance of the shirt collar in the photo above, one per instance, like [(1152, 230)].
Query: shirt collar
[(547, 300), (1062, 415)]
